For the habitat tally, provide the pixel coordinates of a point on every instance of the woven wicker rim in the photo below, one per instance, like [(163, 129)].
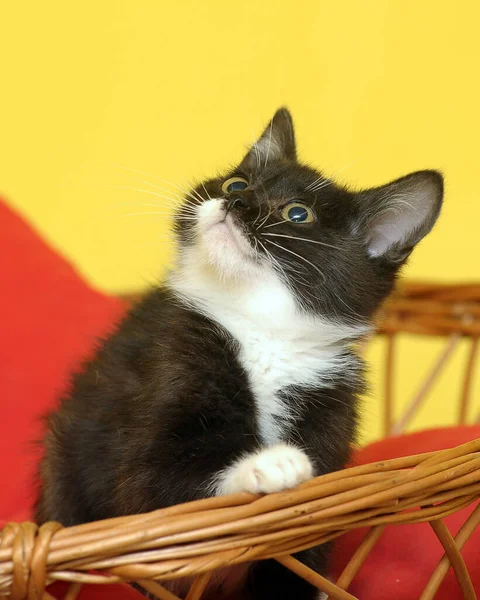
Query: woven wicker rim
[(197, 537)]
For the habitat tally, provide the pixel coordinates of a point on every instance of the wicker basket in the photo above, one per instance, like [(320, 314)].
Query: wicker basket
[(196, 538)]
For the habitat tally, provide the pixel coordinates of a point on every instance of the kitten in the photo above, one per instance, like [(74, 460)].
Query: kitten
[(239, 374)]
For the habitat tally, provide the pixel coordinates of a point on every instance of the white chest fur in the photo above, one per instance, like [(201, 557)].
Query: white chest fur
[(279, 347), (276, 359)]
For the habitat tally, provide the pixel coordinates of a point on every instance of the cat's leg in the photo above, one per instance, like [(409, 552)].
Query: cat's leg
[(268, 470), (269, 580)]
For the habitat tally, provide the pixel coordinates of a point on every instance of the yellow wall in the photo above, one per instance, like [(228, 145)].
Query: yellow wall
[(178, 89)]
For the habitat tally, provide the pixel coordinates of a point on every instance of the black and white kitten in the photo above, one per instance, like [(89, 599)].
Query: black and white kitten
[(239, 374)]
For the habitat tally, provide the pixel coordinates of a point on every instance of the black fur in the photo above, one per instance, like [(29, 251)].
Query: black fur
[(165, 404)]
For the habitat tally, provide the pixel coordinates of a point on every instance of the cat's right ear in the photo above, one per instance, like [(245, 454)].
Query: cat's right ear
[(393, 218), (277, 142)]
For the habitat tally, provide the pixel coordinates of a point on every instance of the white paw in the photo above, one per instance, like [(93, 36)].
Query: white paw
[(270, 470)]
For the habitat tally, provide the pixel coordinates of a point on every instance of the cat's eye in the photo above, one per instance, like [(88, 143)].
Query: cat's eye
[(234, 184), (297, 212)]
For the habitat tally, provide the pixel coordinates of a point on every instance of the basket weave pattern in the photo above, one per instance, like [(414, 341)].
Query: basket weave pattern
[(196, 538)]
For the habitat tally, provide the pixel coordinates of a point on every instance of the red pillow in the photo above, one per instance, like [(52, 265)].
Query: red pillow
[(51, 319), (403, 559)]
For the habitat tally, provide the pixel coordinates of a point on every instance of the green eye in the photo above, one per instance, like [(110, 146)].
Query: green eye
[(234, 184), (297, 212)]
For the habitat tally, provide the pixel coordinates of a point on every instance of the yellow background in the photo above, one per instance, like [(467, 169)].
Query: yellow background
[(177, 90)]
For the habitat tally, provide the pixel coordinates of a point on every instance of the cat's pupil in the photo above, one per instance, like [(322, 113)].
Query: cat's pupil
[(297, 214), (236, 186)]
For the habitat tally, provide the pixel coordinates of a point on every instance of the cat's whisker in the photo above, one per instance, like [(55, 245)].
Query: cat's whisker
[(266, 218), (185, 197), (293, 237), (349, 308), (209, 197), (154, 204), (270, 256), (184, 215), (155, 212), (313, 184), (263, 220), (255, 248), (133, 170), (171, 199), (328, 181), (189, 201), (162, 189), (192, 193), (298, 256), (295, 274), (144, 191), (188, 206), (183, 208), (270, 211), (168, 215), (325, 183), (275, 224), (256, 218), (195, 196)]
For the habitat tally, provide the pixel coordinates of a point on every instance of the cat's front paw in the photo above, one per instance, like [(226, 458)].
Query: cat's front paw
[(270, 470)]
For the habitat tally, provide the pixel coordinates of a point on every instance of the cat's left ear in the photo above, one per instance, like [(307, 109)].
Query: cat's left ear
[(393, 218), (277, 142)]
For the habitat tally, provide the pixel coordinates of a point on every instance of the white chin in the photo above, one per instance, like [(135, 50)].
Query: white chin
[(221, 243), (228, 252)]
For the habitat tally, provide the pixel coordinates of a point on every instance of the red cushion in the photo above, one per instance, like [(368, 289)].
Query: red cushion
[(405, 556), (50, 319)]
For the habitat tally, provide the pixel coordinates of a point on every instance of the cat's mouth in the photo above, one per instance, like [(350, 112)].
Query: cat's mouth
[(231, 229), (220, 231)]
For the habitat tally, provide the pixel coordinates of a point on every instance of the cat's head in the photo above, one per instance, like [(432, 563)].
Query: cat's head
[(336, 249)]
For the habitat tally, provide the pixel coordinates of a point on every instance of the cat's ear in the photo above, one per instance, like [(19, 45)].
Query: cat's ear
[(277, 142), (395, 217)]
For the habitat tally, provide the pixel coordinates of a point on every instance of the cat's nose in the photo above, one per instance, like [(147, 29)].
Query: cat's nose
[(235, 202)]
